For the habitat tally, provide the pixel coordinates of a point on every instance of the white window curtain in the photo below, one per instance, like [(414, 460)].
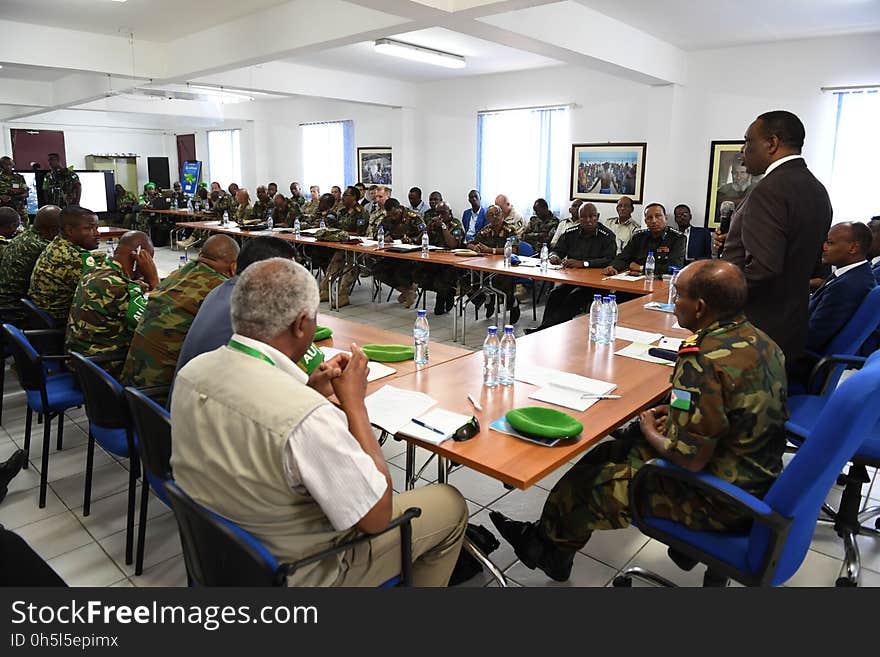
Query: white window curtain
[(856, 144), (328, 154), (524, 154), (224, 157)]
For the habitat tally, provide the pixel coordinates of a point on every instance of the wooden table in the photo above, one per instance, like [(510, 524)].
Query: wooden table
[(111, 232)]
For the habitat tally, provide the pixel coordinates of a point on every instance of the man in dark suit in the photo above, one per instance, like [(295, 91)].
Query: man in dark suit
[(778, 230), (699, 240), (837, 300), (874, 252)]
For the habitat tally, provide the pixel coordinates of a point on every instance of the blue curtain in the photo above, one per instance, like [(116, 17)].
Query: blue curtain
[(348, 149)]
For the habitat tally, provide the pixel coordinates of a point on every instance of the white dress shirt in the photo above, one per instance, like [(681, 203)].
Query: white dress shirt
[(323, 459), (781, 161)]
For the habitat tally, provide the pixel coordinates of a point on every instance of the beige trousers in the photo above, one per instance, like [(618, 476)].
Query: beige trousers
[(437, 536)]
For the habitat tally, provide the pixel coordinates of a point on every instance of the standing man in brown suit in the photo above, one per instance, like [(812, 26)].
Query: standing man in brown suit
[(778, 230)]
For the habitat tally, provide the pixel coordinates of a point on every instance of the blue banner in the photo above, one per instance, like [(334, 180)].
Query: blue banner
[(189, 177)]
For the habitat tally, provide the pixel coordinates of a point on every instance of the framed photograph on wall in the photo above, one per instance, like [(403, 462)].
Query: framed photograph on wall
[(729, 182), (374, 165), (602, 173)]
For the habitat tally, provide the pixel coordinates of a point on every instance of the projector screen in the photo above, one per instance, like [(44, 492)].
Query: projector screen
[(94, 190)]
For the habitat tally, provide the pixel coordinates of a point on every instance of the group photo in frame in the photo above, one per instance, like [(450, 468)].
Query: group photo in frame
[(603, 173), (374, 165), (729, 182)]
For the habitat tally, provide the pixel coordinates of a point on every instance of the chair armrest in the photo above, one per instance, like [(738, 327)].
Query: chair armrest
[(108, 357), (40, 333), (154, 390), (403, 520), (826, 362)]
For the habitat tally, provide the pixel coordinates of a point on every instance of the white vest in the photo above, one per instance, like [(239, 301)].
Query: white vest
[(231, 417)]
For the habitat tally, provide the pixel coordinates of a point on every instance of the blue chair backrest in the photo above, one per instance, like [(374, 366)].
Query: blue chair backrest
[(859, 328), (218, 552), (152, 425), (104, 395), (28, 363), (800, 490), (526, 249), (39, 318)]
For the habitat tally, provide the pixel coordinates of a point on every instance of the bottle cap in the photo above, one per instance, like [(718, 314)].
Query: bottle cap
[(606, 299), (597, 296), (508, 328), (493, 330), (613, 297), (422, 313)]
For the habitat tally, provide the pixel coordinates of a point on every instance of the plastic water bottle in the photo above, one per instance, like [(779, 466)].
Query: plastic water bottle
[(507, 368), (673, 279), (649, 267), (174, 201), (545, 257), (269, 222), (615, 313), (595, 311), (508, 251), (225, 218), (603, 328), (491, 357), (110, 249), (297, 227), (421, 333), (425, 244), (181, 262), (380, 236), (323, 224)]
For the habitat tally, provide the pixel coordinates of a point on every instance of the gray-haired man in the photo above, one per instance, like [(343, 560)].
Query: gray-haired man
[(252, 442)]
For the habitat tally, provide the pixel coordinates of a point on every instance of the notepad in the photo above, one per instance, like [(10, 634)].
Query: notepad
[(626, 277), (634, 335), (503, 426), (531, 261), (672, 344), (662, 307), (393, 408), (563, 388), (375, 371), (438, 418), (639, 351)]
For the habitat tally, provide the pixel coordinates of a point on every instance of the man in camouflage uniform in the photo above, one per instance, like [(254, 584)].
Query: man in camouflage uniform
[(108, 302), (283, 213), (243, 209), (10, 222), (261, 207), (296, 195), (380, 194), (726, 417), (170, 312), (406, 226), (18, 263), (354, 220), (667, 244), (61, 186), (145, 218), (542, 226), (447, 232), (491, 241), (13, 189), (310, 206), (125, 204), (434, 200), (336, 192), (64, 261)]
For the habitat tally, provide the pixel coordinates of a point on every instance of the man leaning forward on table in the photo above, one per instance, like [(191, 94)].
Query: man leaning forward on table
[(726, 416), (277, 458)]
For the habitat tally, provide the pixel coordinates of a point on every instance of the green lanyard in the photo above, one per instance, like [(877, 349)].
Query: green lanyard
[(250, 351)]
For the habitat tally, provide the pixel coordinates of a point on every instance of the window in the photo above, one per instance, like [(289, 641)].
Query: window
[(524, 154), (328, 157), (224, 157), (856, 144)]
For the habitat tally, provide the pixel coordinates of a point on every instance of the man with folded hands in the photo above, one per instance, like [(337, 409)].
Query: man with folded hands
[(726, 417)]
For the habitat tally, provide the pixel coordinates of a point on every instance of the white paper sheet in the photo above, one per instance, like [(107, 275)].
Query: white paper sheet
[(634, 335), (563, 388), (393, 408), (375, 371), (438, 418), (639, 351), (662, 307), (627, 277), (673, 344)]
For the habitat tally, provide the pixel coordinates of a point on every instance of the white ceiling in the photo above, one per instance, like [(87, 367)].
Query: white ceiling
[(35, 73), (702, 24), (151, 20), (482, 57)]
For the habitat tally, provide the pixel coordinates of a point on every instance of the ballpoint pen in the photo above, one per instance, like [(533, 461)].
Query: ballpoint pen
[(474, 402), (137, 254), (428, 426)]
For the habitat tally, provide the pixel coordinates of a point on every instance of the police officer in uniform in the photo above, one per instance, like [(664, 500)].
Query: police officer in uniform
[(13, 189), (726, 416), (587, 245), (667, 244)]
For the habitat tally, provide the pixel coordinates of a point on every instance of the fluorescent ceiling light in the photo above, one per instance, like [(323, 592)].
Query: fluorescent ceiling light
[(419, 53)]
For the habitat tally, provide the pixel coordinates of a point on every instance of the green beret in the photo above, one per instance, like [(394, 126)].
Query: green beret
[(543, 422), (389, 353), (322, 333), (149, 185)]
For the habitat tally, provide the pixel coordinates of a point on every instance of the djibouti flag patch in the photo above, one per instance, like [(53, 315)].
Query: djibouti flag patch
[(682, 399)]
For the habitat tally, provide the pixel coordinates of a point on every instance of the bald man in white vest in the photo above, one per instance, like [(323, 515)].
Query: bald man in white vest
[(257, 442)]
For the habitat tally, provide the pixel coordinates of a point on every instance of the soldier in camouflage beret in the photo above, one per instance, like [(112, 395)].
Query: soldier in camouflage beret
[(67, 257), (110, 300), (170, 312), (726, 416), (18, 263), (13, 189)]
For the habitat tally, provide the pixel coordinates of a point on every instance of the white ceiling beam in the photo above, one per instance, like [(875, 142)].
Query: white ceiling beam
[(25, 92)]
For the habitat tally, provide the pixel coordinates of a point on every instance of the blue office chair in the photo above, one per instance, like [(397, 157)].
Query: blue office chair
[(848, 342), (50, 396), (111, 427), (784, 521), (217, 552), (152, 426), (847, 520), (37, 317)]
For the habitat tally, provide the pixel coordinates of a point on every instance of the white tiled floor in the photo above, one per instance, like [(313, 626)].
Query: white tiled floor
[(89, 551)]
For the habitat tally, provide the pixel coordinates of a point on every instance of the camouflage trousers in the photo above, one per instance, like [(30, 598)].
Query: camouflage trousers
[(594, 495), (439, 278), (336, 268)]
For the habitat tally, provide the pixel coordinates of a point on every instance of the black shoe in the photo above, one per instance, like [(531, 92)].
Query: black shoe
[(490, 307), (531, 329), (532, 549), (10, 468), (514, 314), (440, 305), (450, 301)]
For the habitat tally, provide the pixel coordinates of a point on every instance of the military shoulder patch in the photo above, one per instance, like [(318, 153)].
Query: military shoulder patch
[(683, 400), (690, 345)]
